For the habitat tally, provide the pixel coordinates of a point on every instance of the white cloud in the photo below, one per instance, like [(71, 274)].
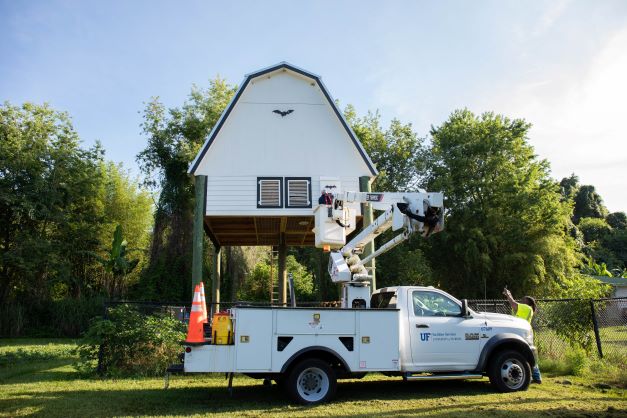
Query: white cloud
[(580, 126), (555, 10), (575, 97)]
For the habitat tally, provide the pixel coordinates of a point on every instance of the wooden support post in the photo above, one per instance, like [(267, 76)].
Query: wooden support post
[(282, 276), (323, 262), (215, 280), (200, 186), (366, 211)]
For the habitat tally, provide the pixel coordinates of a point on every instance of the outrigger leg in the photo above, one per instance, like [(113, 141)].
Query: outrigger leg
[(230, 386)]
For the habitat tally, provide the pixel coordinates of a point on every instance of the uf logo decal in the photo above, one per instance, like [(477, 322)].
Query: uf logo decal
[(424, 336)]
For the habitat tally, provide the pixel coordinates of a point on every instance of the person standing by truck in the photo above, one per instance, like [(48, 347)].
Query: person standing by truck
[(525, 310)]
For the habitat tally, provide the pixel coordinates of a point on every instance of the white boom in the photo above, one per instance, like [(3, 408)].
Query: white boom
[(410, 212)]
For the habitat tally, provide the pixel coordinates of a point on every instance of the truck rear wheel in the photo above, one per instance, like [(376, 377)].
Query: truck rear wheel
[(311, 381), (509, 371)]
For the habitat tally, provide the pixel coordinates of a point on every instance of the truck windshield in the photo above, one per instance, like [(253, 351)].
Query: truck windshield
[(383, 300)]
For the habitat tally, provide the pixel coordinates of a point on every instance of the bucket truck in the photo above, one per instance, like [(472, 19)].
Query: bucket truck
[(414, 332)]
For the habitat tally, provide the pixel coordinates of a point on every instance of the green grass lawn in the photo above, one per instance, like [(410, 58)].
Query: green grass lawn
[(37, 378)]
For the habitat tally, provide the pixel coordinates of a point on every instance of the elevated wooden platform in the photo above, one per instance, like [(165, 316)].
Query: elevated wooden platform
[(261, 230)]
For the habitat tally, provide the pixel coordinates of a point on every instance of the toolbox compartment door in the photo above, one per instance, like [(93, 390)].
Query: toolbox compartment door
[(378, 340), (253, 340)]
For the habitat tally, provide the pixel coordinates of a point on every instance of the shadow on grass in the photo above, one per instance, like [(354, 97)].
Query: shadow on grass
[(251, 398), (47, 371)]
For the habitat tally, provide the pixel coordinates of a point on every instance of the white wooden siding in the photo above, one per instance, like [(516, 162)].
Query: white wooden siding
[(237, 195), (254, 141)]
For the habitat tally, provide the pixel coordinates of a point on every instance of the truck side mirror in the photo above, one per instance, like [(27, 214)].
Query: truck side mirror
[(465, 310)]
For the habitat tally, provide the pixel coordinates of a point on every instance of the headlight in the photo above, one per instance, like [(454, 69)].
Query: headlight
[(529, 337)]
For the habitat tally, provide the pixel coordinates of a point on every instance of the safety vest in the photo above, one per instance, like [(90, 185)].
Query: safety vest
[(525, 312)]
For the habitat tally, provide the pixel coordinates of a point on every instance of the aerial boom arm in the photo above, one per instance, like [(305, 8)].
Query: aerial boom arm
[(412, 212)]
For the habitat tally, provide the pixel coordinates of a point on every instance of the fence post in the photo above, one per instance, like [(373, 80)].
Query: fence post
[(596, 329), (105, 315)]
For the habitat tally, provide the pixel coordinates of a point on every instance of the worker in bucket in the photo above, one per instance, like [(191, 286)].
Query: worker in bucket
[(525, 310)]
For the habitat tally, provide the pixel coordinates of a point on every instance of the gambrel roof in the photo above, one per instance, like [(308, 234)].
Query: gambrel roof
[(283, 65)]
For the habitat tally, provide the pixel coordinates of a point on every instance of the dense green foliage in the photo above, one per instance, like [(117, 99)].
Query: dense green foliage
[(117, 263), (131, 343), (174, 136), (397, 151), (59, 205), (48, 198), (256, 286), (588, 204), (594, 229), (617, 220), (506, 223), (602, 236)]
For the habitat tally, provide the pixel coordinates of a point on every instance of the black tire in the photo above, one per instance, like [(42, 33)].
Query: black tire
[(311, 381), (509, 371)]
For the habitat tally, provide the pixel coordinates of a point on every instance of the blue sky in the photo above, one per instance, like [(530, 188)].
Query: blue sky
[(560, 64)]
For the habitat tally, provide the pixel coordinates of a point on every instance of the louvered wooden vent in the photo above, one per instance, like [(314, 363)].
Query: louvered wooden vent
[(298, 192), (269, 192)]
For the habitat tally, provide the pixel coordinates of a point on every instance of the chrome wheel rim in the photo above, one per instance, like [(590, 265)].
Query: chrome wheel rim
[(312, 384), (513, 374)]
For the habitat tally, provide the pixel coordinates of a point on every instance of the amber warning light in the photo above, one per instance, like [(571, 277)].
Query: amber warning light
[(326, 248)]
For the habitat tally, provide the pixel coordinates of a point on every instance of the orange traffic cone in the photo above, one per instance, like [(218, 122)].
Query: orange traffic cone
[(195, 332), (204, 303)]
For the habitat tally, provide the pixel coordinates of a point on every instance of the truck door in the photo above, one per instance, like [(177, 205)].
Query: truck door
[(441, 339)]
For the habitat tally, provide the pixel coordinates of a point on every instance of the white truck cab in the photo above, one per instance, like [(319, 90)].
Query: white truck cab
[(437, 335)]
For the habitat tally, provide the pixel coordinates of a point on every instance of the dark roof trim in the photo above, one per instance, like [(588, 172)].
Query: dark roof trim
[(229, 108)]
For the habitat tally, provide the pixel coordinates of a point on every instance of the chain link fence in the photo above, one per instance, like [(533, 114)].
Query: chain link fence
[(599, 326)]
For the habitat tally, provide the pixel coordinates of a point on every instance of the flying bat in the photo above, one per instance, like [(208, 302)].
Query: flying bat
[(283, 112)]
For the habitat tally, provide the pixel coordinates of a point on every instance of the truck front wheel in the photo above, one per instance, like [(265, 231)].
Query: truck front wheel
[(509, 371), (311, 381)]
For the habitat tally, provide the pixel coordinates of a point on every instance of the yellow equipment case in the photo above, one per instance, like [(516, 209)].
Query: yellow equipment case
[(222, 328)]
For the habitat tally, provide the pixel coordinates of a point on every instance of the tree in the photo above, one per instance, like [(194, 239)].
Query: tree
[(49, 204), (588, 204), (600, 239), (617, 220), (405, 265), (396, 151), (569, 186), (127, 205), (594, 229), (256, 286), (616, 246), (593, 269), (117, 264), (303, 280), (506, 223), (174, 137)]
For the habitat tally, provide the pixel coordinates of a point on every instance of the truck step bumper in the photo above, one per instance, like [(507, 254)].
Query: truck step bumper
[(176, 368), (444, 376)]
